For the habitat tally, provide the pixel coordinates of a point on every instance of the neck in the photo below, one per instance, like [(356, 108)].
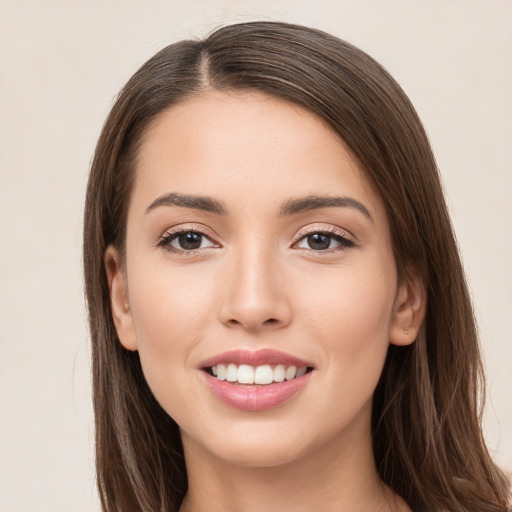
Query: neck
[(336, 477)]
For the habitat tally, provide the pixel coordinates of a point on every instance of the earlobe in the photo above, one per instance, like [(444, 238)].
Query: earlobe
[(119, 302), (409, 312)]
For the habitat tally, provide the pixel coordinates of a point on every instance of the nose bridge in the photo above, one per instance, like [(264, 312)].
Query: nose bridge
[(256, 295)]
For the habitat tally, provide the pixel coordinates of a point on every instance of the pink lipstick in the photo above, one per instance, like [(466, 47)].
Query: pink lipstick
[(255, 380)]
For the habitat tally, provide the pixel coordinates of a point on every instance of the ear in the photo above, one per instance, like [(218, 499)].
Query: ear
[(119, 302), (409, 311)]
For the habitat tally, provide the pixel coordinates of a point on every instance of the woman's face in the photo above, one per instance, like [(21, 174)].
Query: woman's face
[(255, 244)]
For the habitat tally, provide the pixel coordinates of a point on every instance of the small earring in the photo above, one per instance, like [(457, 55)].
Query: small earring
[(406, 331)]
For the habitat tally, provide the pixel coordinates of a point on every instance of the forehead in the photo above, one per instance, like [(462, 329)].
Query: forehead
[(241, 146)]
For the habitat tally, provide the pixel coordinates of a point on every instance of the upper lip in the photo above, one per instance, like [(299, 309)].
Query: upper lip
[(255, 358)]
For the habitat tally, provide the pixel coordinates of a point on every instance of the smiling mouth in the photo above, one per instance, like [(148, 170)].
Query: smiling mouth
[(262, 375)]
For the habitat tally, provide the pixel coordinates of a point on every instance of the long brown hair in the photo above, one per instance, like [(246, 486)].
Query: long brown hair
[(426, 417)]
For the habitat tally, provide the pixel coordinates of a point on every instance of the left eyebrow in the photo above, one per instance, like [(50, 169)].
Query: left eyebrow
[(303, 204)]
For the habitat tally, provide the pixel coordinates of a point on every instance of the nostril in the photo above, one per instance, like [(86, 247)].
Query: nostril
[(270, 322), (254, 316)]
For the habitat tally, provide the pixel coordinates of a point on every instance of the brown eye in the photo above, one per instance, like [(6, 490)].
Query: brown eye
[(184, 241), (323, 241), (187, 241), (319, 241)]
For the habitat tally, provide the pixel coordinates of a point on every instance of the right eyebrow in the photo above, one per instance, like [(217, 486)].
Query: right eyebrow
[(188, 201)]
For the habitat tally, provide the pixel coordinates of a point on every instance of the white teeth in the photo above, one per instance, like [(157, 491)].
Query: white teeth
[(279, 373), (291, 372), (264, 374), (221, 372), (245, 374), (232, 373), (301, 371)]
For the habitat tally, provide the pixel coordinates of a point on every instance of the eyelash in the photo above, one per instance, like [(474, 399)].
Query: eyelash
[(168, 237), (344, 241)]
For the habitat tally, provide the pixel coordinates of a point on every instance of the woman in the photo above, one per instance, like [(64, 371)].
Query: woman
[(278, 311)]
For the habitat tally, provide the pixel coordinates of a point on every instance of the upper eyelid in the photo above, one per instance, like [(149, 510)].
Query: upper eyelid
[(212, 236), (333, 230), (185, 228), (165, 240)]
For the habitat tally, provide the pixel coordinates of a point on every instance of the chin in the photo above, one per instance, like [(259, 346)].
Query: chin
[(248, 444), (260, 454)]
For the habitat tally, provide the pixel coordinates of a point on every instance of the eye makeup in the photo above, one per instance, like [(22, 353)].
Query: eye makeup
[(184, 240), (322, 240)]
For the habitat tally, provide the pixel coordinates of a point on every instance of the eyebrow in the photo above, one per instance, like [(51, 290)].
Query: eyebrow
[(290, 207), (294, 206), (187, 201)]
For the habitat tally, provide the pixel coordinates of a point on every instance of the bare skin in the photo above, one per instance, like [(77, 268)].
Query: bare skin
[(316, 283), (323, 482)]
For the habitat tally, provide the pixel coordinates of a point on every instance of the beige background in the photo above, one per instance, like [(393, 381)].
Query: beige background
[(62, 62)]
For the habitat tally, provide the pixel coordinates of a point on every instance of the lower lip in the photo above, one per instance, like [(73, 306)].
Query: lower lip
[(256, 398)]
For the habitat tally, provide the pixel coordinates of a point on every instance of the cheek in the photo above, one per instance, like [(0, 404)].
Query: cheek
[(169, 304), (170, 310), (349, 302), (350, 318)]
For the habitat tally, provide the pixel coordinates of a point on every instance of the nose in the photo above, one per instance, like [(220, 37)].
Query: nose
[(255, 294)]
